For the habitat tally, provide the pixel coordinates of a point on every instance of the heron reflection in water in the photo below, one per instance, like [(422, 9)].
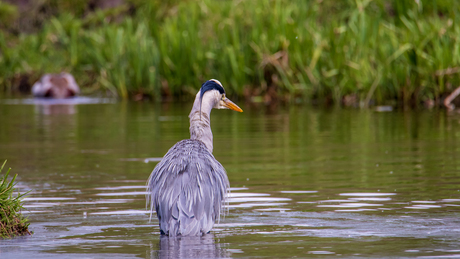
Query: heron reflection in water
[(188, 186), (190, 247)]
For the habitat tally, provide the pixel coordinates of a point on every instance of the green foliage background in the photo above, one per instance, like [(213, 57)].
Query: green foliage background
[(382, 50)]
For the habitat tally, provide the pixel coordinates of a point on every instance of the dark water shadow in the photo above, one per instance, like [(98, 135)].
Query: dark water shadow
[(189, 247)]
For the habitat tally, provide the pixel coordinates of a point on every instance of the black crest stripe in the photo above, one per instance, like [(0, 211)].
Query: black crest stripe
[(211, 85)]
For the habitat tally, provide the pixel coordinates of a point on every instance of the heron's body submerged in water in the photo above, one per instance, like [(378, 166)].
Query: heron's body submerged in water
[(188, 187)]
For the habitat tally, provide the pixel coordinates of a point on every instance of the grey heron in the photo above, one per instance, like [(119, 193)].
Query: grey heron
[(187, 188)]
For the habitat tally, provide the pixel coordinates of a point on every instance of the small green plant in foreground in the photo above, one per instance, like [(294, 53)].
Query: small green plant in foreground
[(12, 222)]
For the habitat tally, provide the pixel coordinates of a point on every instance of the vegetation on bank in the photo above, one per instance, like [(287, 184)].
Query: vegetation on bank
[(381, 51), (12, 222)]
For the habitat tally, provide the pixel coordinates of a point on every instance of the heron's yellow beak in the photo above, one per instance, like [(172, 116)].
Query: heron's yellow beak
[(229, 104)]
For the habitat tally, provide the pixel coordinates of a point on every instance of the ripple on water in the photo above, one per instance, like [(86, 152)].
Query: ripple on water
[(350, 205), (274, 209), (251, 199), (237, 189), (355, 210), (120, 212), (103, 201), (370, 199), (245, 194), (321, 252), (441, 256), (332, 201), (450, 200), (248, 200), (120, 187), (47, 199), (121, 193), (36, 211), (41, 204), (298, 192), (363, 194), (422, 207), (250, 205)]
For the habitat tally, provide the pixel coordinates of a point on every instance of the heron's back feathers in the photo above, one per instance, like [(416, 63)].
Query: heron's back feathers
[(187, 189)]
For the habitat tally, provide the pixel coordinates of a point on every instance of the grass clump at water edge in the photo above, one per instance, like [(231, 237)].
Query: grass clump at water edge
[(12, 222)]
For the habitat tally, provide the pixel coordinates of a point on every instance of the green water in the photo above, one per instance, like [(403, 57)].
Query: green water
[(306, 181)]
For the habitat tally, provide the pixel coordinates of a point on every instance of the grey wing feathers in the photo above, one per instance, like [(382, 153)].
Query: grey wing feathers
[(187, 189)]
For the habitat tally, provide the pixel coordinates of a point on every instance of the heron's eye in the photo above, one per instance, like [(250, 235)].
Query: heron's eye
[(223, 97)]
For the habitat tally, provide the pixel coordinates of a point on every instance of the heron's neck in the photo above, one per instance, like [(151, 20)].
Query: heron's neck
[(200, 122)]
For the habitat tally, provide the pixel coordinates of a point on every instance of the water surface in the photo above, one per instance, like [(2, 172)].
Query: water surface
[(305, 181)]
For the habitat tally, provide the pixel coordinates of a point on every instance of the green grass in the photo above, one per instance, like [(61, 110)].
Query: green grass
[(381, 50), (12, 222)]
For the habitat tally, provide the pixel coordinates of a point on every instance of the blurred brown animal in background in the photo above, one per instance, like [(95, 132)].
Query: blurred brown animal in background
[(57, 86)]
